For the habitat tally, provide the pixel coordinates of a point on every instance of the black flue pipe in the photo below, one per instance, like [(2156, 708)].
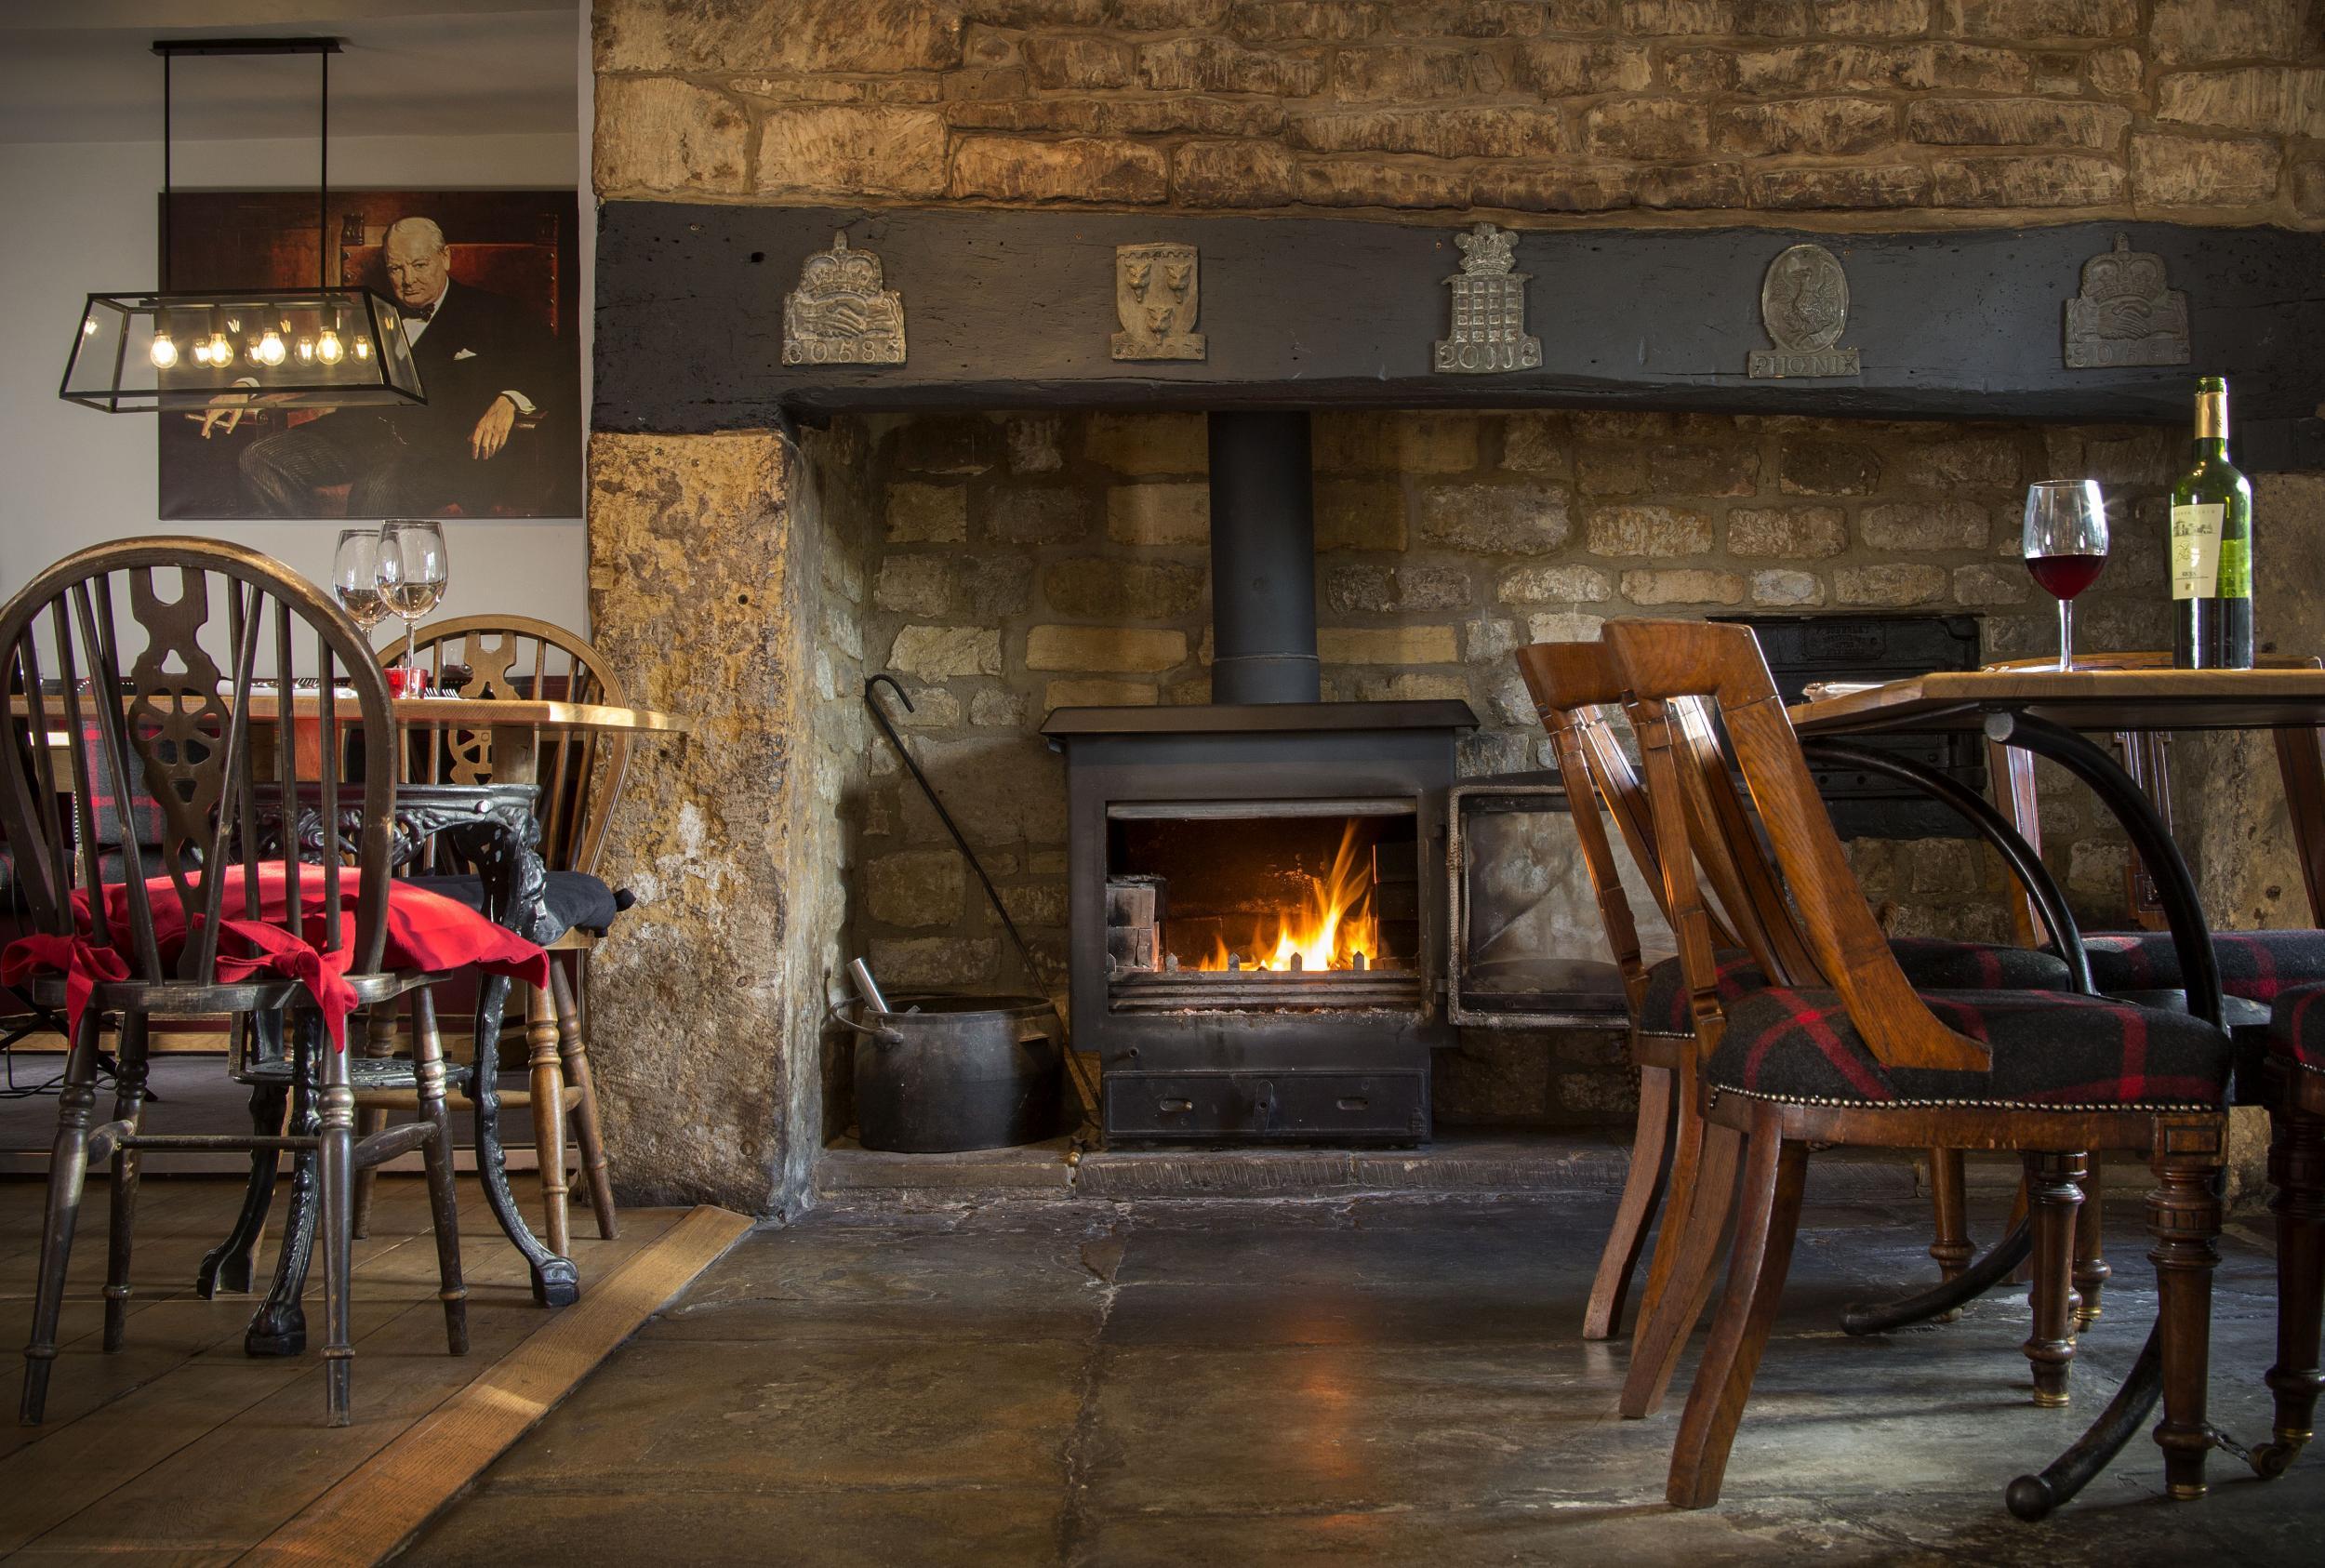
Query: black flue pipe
[(1263, 559)]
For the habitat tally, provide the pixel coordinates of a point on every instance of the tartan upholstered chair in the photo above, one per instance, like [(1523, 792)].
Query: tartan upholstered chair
[(2296, 1168), (1850, 1053), (1574, 685), (154, 644)]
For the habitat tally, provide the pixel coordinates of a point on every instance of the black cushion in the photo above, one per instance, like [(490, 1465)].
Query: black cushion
[(1930, 963), (574, 899), (2254, 964), (2049, 1048)]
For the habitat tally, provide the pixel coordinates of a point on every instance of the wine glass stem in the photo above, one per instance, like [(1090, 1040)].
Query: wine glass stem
[(2066, 634)]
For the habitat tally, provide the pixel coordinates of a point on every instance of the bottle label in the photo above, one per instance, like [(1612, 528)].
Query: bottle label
[(2236, 568), (2195, 551)]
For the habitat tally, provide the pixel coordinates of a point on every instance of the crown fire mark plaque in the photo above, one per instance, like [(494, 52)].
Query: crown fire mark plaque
[(1804, 307), (1488, 333), (840, 314), (2125, 313)]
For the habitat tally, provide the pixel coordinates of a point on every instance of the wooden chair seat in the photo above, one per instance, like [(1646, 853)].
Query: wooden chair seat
[(2050, 1049), (1930, 962)]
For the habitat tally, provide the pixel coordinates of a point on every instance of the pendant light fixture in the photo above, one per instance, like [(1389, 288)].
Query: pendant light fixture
[(318, 348)]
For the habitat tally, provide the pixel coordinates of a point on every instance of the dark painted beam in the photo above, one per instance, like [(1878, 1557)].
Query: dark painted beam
[(1013, 310)]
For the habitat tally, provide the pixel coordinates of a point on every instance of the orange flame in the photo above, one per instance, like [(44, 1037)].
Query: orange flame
[(1333, 924)]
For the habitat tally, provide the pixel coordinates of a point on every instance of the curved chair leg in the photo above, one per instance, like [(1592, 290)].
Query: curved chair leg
[(1678, 1188), (2296, 1167), (2091, 1272), (335, 1164), (444, 1202), (1776, 1174), (68, 1169), (228, 1266), (2053, 1192), (549, 1115), (381, 1041), (279, 1327), (2183, 1214), (1642, 1188), (129, 1080), (586, 1136), (1658, 1342)]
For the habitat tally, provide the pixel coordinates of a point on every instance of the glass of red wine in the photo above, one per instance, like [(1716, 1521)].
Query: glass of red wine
[(2066, 544)]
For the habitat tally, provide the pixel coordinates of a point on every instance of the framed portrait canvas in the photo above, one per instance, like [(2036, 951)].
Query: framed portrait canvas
[(488, 282)]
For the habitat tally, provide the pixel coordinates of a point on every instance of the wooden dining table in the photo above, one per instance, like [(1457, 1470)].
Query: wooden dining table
[(2054, 714), (519, 729)]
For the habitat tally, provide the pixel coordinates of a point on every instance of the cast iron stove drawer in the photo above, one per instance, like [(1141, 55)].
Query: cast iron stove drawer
[(1287, 1107)]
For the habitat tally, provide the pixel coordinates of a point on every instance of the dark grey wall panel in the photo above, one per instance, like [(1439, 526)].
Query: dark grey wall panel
[(1015, 308)]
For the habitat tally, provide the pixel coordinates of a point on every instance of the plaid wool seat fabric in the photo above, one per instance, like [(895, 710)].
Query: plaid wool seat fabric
[(2049, 1049), (1930, 963), (2254, 964), (2296, 1026)]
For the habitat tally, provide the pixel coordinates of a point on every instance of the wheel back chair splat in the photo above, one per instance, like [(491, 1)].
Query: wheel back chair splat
[(580, 777), (1856, 1057), (191, 930)]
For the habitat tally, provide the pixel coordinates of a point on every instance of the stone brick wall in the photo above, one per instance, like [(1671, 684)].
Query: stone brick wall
[(1028, 561), (1883, 112)]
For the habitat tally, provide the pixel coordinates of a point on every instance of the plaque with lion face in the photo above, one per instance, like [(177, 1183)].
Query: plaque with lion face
[(1155, 299)]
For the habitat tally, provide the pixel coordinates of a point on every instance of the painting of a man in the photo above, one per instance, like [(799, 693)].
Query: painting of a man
[(495, 437)]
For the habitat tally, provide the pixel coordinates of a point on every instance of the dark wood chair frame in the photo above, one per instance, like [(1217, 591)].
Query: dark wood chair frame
[(190, 728), (1665, 662)]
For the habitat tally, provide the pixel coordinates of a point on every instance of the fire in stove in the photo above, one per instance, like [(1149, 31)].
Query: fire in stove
[(1330, 927)]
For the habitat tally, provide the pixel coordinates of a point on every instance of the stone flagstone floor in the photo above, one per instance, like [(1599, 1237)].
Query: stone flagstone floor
[(1375, 1381)]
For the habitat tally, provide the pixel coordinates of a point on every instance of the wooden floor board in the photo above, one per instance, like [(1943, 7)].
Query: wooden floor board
[(147, 1454)]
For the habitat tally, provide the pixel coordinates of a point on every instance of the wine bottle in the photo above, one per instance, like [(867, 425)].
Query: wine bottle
[(2211, 546)]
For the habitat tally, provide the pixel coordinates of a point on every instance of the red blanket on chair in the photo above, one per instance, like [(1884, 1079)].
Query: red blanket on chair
[(425, 931)]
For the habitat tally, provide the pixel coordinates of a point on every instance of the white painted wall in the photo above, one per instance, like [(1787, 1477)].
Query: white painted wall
[(81, 218)]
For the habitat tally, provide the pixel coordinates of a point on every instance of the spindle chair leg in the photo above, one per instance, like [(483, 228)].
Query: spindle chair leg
[(2091, 1272), (228, 1266), (130, 1082), (1950, 1243), (586, 1135), (2053, 1192), (549, 1115), (1775, 1175), (381, 1040), (443, 1202), (2184, 1215), (1661, 1340), (1642, 1188), (68, 1170), (2296, 1167), (336, 1169)]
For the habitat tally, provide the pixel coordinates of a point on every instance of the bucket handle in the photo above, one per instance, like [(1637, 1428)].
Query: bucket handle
[(885, 1036)]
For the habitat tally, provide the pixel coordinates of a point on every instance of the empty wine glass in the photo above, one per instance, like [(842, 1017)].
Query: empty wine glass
[(412, 569), (355, 577), (2066, 544)]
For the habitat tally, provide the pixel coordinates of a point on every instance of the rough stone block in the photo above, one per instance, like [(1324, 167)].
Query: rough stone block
[(1693, 18), (1849, 186), (1220, 65), (1560, 68), (1403, 686), (1983, 584), (2203, 171), (1077, 168), (927, 515), (2148, 457), (1079, 60), (811, 35), (1828, 468), (916, 888), (1053, 516), (838, 150), (1143, 650), (1114, 589), (1144, 444), (2031, 180), (1631, 531), (946, 444), (2017, 21), (1889, 584), (1232, 174), (1386, 645), (1534, 442), (1159, 514), (1164, 16), (1032, 440), (1496, 519), (1413, 73), (1818, 68), (1360, 514), (1488, 642), (2016, 122), (654, 134), (1567, 626), (1795, 533), (1275, 21), (2183, 32), (1443, 133), (1974, 459), (1369, 441), (1395, 589), (1002, 709), (1693, 186), (2117, 72), (940, 653), (1923, 526), (1691, 469), (995, 587), (2276, 99), (1553, 185), (1002, 790), (1553, 585), (1099, 694), (915, 585), (1874, 19), (1834, 126), (909, 963), (1647, 128), (1687, 585), (1398, 184), (1781, 589)]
